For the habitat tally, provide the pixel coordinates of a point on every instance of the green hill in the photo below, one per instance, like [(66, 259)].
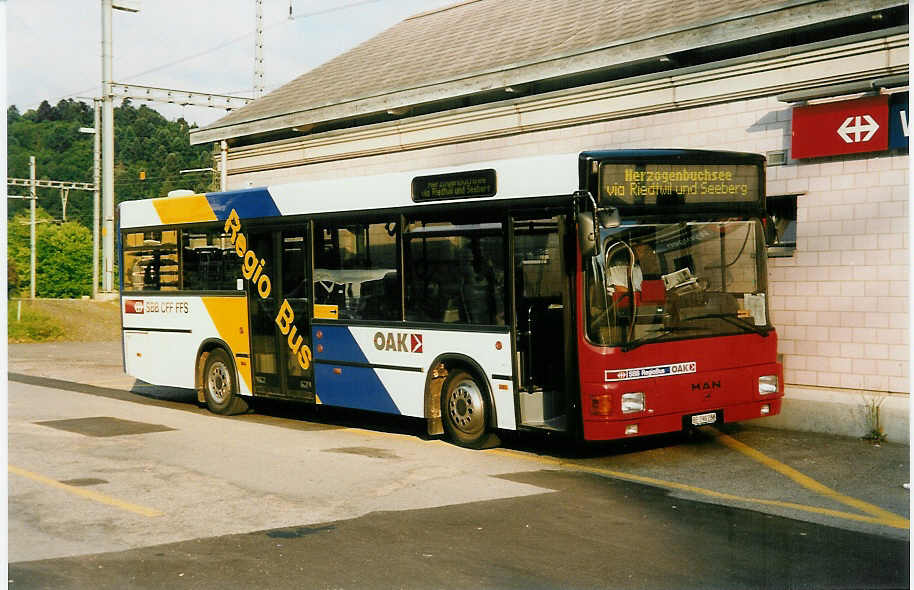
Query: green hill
[(145, 144)]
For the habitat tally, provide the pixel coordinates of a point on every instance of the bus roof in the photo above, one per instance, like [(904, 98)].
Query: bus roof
[(516, 178)]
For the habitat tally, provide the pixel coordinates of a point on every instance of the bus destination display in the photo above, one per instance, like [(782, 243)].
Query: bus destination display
[(678, 184), (457, 185)]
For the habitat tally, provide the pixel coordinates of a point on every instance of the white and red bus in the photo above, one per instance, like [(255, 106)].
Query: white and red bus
[(606, 294)]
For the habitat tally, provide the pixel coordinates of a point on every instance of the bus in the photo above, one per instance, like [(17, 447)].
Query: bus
[(603, 294)]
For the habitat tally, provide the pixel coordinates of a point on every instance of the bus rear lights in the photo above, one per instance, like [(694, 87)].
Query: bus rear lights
[(601, 404), (632, 403), (767, 384), (498, 345), (631, 429), (766, 409)]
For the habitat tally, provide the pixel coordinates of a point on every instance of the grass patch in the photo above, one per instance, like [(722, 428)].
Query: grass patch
[(32, 325)]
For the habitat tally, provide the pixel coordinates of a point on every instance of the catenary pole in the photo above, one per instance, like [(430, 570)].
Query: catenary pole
[(258, 49), (107, 154), (96, 172), (33, 194), (223, 165)]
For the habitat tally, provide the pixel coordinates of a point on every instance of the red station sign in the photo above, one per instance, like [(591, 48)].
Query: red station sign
[(843, 127)]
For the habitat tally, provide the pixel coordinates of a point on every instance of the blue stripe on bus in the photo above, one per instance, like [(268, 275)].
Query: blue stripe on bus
[(352, 387), (336, 344), (248, 203)]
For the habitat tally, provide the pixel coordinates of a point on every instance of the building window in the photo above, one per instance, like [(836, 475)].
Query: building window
[(781, 225)]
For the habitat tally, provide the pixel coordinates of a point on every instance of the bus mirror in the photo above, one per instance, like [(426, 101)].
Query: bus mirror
[(771, 234), (609, 218), (586, 233)]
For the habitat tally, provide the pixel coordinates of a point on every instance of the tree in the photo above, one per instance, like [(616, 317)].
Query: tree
[(64, 266), (17, 253), (144, 141), (63, 261), (45, 112)]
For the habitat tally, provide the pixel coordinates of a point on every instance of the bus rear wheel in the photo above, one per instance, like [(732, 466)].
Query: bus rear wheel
[(464, 411), (219, 387)]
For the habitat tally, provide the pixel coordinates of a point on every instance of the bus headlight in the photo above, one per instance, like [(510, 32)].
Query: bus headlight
[(632, 403), (768, 384)]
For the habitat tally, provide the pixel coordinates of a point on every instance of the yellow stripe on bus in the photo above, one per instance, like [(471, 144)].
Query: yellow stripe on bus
[(187, 209), (230, 316)]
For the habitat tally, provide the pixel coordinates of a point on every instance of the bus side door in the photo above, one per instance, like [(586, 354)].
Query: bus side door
[(280, 322)]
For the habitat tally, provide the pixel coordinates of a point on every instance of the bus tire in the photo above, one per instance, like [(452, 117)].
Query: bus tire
[(219, 387), (464, 410)]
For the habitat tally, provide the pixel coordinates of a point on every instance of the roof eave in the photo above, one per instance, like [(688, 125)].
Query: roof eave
[(803, 12)]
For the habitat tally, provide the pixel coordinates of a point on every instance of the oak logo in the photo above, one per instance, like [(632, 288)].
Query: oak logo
[(398, 341), (134, 306)]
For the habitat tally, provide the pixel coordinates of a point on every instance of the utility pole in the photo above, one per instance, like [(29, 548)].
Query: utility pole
[(64, 197), (96, 178), (96, 182), (107, 152), (223, 165), (258, 50), (108, 140), (33, 194)]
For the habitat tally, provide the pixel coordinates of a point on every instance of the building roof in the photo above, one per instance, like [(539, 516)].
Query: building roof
[(480, 45)]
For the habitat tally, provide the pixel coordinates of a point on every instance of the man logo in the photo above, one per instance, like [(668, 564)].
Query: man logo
[(398, 342), (134, 306)]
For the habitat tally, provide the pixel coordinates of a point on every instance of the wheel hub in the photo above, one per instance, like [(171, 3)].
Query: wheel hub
[(217, 383), (466, 407)]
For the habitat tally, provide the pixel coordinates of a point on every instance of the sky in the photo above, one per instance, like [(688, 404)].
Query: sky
[(54, 46)]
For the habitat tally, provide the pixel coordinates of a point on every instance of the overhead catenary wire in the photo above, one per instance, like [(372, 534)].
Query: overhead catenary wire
[(222, 45)]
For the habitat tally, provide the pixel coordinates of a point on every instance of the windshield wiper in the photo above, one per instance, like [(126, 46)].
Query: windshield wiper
[(666, 332), (731, 320)]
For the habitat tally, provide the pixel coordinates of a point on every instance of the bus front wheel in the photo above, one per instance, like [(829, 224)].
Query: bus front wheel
[(464, 411), (219, 387)]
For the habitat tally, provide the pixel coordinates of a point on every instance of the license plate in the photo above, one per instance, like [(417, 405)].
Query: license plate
[(702, 419)]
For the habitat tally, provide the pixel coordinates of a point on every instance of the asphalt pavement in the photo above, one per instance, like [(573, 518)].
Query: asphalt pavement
[(118, 484)]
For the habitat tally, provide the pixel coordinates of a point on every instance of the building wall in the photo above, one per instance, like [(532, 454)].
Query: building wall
[(840, 303)]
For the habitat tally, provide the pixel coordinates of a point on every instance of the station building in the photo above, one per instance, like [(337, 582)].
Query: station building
[(818, 86)]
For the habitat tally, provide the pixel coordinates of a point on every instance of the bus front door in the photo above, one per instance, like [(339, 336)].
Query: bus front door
[(280, 323), (541, 316)]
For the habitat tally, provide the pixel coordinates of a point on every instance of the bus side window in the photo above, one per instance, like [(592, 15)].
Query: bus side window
[(455, 273), (151, 261), (355, 270), (209, 262)]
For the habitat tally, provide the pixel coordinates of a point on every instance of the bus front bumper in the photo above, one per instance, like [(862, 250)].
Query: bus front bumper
[(645, 424)]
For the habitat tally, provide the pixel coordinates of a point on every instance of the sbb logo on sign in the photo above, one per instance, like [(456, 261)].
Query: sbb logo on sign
[(134, 306), (843, 127)]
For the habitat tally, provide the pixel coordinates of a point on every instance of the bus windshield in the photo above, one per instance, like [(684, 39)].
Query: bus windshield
[(663, 282)]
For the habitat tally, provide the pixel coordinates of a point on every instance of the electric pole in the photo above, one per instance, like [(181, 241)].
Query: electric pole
[(33, 195), (108, 140), (258, 49), (96, 179), (107, 153)]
